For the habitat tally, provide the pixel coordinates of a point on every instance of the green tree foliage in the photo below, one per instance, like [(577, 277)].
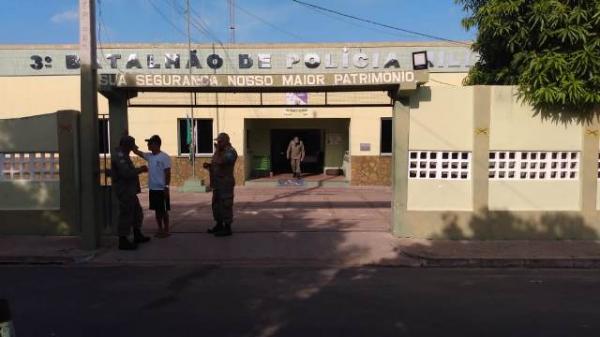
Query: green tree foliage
[(550, 49)]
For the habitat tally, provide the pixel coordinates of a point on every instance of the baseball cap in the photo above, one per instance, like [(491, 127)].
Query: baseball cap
[(155, 139)]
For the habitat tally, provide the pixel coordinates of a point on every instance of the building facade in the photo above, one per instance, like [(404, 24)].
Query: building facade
[(347, 135), (465, 162)]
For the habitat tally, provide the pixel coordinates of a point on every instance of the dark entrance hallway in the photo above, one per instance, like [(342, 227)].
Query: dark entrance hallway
[(313, 144)]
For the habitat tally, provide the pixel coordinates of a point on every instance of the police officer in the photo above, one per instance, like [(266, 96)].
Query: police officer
[(222, 183), (295, 154), (126, 182)]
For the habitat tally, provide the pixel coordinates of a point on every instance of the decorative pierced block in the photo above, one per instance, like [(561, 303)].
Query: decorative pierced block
[(439, 165), (513, 165), (41, 166)]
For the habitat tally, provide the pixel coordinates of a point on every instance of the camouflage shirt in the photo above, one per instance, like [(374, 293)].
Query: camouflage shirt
[(125, 177), (222, 169)]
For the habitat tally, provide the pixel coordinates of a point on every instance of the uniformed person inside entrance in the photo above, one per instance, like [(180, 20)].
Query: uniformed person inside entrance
[(222, 183), (126, 182), (295, 154)]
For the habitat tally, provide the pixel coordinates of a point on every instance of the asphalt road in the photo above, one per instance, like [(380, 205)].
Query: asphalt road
[(255, 301)]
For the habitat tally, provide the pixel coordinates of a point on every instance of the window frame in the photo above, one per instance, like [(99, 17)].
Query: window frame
[(179, 145)]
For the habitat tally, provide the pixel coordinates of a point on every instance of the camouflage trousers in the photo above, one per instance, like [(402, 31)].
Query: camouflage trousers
[(130, 214), (222, 205), (295, 163)]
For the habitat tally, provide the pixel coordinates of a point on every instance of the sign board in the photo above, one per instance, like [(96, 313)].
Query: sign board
[(296, 98), (406, 79), (243, 60)]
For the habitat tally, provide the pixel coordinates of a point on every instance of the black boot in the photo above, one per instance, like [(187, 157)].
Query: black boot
[(125, 244), (138, 237), (218, 227), (225, 231)]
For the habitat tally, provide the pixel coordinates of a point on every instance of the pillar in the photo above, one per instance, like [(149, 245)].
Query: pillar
[(589, 173), (69, 161), (482, 105), (400, 140)]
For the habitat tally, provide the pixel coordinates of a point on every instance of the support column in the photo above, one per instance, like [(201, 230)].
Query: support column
[(589, 173), (482, 105), (90, 161), (118, 126), (400, 139), (69, 163)]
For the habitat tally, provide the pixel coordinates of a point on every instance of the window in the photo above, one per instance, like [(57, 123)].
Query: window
[(103, 135), (204, 136), (386, 136)]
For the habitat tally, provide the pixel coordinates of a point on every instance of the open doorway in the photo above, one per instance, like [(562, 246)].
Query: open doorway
[(313, 145)]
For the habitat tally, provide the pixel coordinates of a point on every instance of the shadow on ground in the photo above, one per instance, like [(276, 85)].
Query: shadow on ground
[(344, 243)]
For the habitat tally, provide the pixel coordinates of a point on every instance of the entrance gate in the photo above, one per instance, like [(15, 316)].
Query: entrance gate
[(120, 88)]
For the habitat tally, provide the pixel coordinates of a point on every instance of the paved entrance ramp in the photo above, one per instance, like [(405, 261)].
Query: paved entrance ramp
[(284, 210)]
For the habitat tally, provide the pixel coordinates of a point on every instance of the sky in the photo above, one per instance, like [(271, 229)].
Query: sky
[(269, 21)]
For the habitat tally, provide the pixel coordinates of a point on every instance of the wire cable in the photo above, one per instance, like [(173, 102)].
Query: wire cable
[(372, 22), (363, 26), (264, 21), (101, 32), (166, 18), (197, 22)]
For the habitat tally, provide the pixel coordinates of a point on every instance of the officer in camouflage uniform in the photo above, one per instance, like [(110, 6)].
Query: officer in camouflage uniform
[(222, 183), (126, 182), (295, 154)]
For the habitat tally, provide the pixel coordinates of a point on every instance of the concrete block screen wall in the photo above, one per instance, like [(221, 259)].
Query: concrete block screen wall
[(516, 175), (29, 163), (38, 174)]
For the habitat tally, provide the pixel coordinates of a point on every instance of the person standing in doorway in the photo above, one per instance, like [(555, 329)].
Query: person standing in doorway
[(222, 182), (295, 154), (126, 182), (159, 178)]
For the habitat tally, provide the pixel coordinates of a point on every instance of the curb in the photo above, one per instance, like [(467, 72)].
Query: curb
[(45, 260), (309, 263), (466, 262)]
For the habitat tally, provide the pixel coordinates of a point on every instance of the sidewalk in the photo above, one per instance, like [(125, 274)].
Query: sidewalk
[(24, 249), (291, 226), (504, 254), (342, 249)]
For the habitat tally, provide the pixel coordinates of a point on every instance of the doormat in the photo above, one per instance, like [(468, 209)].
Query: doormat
[(290, 182)]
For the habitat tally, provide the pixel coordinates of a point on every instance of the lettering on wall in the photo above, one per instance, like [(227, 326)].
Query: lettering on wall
[(40, 62), (359, 59), (291, 80)]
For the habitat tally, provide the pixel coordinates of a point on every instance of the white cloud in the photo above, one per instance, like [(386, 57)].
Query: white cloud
[(66, 16)]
